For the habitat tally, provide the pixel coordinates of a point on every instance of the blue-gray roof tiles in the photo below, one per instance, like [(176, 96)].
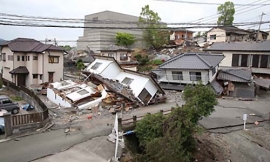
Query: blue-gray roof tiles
[(193, 61)]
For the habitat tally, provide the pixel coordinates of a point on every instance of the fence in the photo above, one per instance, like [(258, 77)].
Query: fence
[(134, 119), (23, 122)]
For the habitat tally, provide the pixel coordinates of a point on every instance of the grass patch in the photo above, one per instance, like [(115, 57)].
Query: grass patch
[(16, 98)]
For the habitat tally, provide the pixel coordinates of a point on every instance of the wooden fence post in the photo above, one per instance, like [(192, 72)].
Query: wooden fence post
[(8, 124), (134, 119), (120, 122)]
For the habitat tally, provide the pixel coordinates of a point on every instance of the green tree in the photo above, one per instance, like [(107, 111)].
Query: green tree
[(198, 34), (125, 39), (153, 35), (66, 47), (79, 64), (227, 13), (171, 138)]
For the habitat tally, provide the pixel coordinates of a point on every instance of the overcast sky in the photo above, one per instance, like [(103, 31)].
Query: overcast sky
[(168, 11)]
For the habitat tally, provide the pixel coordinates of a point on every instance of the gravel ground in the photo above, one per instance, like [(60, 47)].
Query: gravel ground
[(245, 145)]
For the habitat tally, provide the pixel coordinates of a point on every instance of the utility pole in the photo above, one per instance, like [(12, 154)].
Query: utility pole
[(259, 27)]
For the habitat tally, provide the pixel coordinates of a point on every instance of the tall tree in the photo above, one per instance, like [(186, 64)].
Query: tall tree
[(227, 13), (124, 39), (171, 138), (153, 35)]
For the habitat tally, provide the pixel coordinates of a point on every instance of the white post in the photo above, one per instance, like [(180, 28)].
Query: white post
[(245, 119), (116, 132)]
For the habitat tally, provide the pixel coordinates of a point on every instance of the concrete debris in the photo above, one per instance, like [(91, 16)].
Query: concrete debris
[(67, 130)]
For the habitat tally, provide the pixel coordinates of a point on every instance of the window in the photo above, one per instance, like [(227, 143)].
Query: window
[(213, 37), (144, 96), (22, 58), (264, 61), (177, 75), (35, 76), (28, 58), (40, 76), (183, 36), (6, 100), (83, 92), (111, 54), (10, 57), (96, 65), (127, 81), (18, 58), (35, 57), (255, 61), (53, 59), (177, 36), (244, 60), (0, 56), (95, 18), (195, 76), (235, 60), (123, 56), (214, 71), (3, 56)]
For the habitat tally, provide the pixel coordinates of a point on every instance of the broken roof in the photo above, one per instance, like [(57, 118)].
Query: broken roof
[(107, 60), (193, 61), (20, 70), (29, 45), (262, 82), (217, 87), (263, 46), (113, 48), (235, 75)]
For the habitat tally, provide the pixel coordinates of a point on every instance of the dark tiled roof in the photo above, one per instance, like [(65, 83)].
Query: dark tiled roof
[(19, 70), (193, 61), (29, 45), (241, 46), (115, 48), (235, 75), (262, 82)]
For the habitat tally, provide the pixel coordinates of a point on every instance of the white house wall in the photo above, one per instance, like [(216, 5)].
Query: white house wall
[(111, 71), (7, 65), (186, 77), (211, 75), (151, 88), (220, 35), (55, 98), (101, 68), (57, 68), (136, 85)]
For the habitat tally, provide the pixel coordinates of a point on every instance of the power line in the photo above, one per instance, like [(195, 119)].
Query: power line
[(207, 3), (216, 15)]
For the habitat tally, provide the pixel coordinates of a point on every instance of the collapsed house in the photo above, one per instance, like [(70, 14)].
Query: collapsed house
[(70, 94), (235, 83), (133, 86)]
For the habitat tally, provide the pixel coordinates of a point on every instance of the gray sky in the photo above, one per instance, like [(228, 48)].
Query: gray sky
[(168, 11)]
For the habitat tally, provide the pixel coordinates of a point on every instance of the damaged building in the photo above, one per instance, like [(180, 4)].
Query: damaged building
[(235, 83), (133, 86), (71, 94)]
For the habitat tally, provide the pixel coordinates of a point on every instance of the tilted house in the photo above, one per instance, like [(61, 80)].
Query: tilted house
[(188, 68), (143, 87), (28, 61)]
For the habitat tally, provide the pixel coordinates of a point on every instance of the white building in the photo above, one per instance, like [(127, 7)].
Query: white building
[(188, 68), (144, 87), (98, 39), (244, 54)]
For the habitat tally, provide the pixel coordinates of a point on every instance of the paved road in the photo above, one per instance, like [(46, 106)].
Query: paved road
[(229, 113), (32, 147)]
